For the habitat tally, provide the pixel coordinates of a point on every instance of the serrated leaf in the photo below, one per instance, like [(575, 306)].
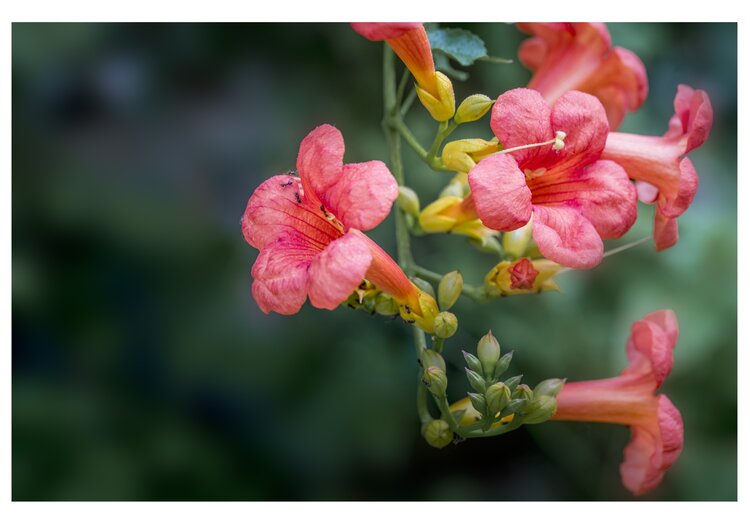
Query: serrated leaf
[(463, 46)]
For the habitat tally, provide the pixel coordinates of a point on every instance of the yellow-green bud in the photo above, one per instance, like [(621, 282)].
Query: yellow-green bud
[(550, 387), (445, 325), (498, 397), (523, 392), (430, 358), (408, 201), (513, 382), (502, 365), (473, 108), (386, 305), (443, 105), (438, 433), (478, 402), (436, 381), (473, 362), (488, 351), (449, 289), (424, 285), (516, 242), (476, 381), (540, 410)]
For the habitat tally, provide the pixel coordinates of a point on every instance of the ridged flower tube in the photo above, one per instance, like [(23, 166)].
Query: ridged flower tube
[(665, 175), (575, 199), (630, 399), (308, 231), (580, 56), (409, 41)]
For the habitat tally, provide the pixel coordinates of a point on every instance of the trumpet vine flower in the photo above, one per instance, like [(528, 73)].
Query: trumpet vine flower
[(580, 56), (409, 41), (308, 231), (665, 175), (630, 399)]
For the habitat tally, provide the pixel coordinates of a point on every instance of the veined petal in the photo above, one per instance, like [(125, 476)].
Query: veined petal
[(693, 109), (672, 205), (520, 117), (602, 192), (337, 271), (500, 194), (280, 274), (376, 31), (565, 236), (652, 449), (583, 119), (321, 159), (651, 345), (279, 207), (362, 197)]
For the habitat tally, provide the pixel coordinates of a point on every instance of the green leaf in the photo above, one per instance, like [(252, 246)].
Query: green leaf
[(463, 46)]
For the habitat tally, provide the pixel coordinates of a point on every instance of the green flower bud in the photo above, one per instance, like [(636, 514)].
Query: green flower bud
[(550, 387), (498, 397), (523, 392), (513, 382), (408, 201), (488, 351), (430, 358), (478, 402), (424, 285), (540, 410), (476, 381), (516, 242), (513, 407), (436, 381), (449, 289), (473, 108), (438, 433), (473, 362), (445, 325), (502, 365), (385, 305)]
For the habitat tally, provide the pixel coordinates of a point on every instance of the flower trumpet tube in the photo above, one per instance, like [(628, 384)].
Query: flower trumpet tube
[(576, 200), (308, 231), (579, 56), (664, 174), (630, 399), (409, 41)]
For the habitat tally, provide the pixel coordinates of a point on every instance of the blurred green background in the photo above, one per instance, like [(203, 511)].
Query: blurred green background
[(143, 369)]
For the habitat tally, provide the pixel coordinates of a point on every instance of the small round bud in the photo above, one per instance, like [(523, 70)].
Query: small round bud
[(436, 381), (386, 305), (438, 433), (408, 201), (430, 358), (523, 392), (540, 410), (488, 351), (449, 289), (473, 108), (445, 325), (550, 387), (498, 397)]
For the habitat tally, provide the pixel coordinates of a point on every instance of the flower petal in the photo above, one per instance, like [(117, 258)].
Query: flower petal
[(666, 231), (278, 208), (565, 236), (693, 109), (363, 195), (321, 159), (602, 192), (376, 31), (337, 271), (652, 449), (583, 119), (501, 196), (650, 347), (280, 274), (672, 205), (520, 117)]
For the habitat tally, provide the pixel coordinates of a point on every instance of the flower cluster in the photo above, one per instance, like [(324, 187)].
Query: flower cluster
[(552, 183)]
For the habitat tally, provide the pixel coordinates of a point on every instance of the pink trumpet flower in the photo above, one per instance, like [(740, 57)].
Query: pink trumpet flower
[(665, 175), (409, 41), (574, 198), (630, 399), (308, 230), (580, 56)]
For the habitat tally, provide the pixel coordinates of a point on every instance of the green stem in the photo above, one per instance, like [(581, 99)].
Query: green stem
[(475, 292), (410, 139), (447, 415), (408, 102), (402, 85)]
